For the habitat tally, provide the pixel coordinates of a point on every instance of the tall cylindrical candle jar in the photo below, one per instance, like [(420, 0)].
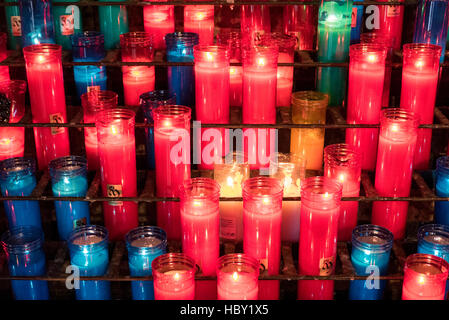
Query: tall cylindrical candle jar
[(181, 81), (36, 21), (88, 246), (148, 102), (172, 155), (356, 22), (301, 21), (254, 22), (69, 179), (342, 163), (12, 15), (137, 47), (211, 101), (17, 178), (144, 245), (174, 277), (318, 227), (26, 257), (237, 277), (418, 92), (93, 102), (200, 20), (117, 152), (390, 22), (309, 107), (158, 21), (371, 246), (262, 216), (4, 70), (47, 97), (442, 190), (394, 167), (12, 139), (68, 22), (113, 22), (366, 81)]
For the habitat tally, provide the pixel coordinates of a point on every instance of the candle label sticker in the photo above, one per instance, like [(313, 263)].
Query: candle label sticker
[(16, 26), (393, 11), (264, 264), (228, 228), (79, 222), (326, 266), (57, 118), (354, 17), (93, 88), (114, 191), (67, 23)]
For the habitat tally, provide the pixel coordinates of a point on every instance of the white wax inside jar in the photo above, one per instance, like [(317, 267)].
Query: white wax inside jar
[(148, 242), (87, 240), (433, 238), (372, 240)]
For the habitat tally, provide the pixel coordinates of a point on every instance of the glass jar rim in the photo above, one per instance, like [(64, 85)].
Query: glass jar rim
[(146, 232), (199, 188), (426, 49), (102, 97), (182, 38), (372, 230), (172, 111), (220, 50), (271, 186), (106, 116), (238, 259), (158, 96), (422, 258), (310, 99), (362, 48), (87, 38), (252, 49), (400, 115), (376, 38), (313, 186), (17, 166), (434, 229), (443, 164), (168, 261), (342, 155), (87, 230), (59, 166), (22, 239), (136, 38), (43, 48)]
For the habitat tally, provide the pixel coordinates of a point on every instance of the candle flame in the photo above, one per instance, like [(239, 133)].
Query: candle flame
[(266, 200), (232, 70), (200, 15), (235, 276), (341, 177), (261, 62), (419, 64), (177, 276), (136, 73), (421, 280), (166, 123), (196, 203), (6, 141), (40, 58), (209, 56), (230, 181), (332, 18), (114, 130), (372, 58), (326, 195), (158, 17), (394, 128), (287, 182)]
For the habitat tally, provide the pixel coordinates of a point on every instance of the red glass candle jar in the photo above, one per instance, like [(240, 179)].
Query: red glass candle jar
[(47, 97), (390, 22), (4, 70), (159, 20), (137, 47), (200, 19), (117, 152), (254, 22), (301, 21)]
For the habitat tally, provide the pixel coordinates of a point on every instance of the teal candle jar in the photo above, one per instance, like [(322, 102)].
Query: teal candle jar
[(113, 22), (334, 35), (67, 21), (12, 16)]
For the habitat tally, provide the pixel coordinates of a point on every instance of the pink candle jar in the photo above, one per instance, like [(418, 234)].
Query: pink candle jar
[(200, 19), (390, 22), (136, 47), (47, 97), (174, 277), (212, 100), (262, 216), (237, 277), (117, 152), (12, 139), (394, 168), (4, 70), (172, 159), (425, 277), (301, 21), (159, 20), (418, 92), (343, 164), (93, 102), (320, 211), (366, 80), (254, 22)]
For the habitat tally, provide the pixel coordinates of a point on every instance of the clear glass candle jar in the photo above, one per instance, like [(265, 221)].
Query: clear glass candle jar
[(159, 20), (12, 15), (88, 246), (4, 70), (68, 22), (26, 257), (199, 19), (113, 22), (309, 107), (370, 254), (69, 179), (36, 22), (137, 47), (144, 244), (17, 178), (12, 139), (237, 277), (442, 190), (117, 152), (174, 277), (301, 21)]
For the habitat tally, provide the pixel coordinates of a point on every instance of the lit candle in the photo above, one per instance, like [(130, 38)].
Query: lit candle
[(254, 22), (4, 70), (93, 102), (117, 152), (390, 22), (371, 246), (67, 21), (88, 246), (113, 22), (309, 107), (230, 176), (211, 99), (14, 26), (397, 140), (342, 163), (418, 92), (174, 277), (12, 139), (237, 277), (425, 277), (171, 128), (69, 179), (442, 190), (366, 80), (318, 227), (262, 216), (47, 97), (136, 47), (301, 21), (144, 245), (290, 169), (200, 20), (158, 21), (36, 22), (24, 251)]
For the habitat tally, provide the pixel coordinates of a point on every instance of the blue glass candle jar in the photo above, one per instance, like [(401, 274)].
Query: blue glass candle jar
[(144, 245), (181, 79), (356, 21), (442, 190), (68, 21), (113, 22), (69, 179), (17, 179), (37, 22), (88, 47), (12, 15), (88, 247), (371, 246), (23, 248), (149, 101)]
